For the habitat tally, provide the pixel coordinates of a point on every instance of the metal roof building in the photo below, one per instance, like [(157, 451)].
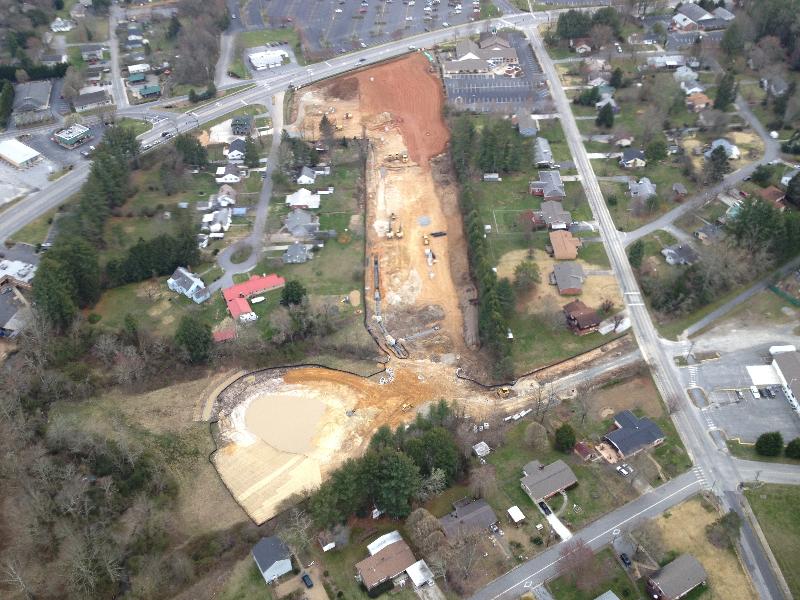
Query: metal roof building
[(18, 154)]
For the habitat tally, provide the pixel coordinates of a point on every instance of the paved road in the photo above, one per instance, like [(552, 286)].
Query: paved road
[(116, 15), (752, 470), (743, 297), (598, 534)]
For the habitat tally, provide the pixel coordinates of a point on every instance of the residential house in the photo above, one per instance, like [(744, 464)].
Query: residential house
[(236, 296), (242, 125), (679, 192), (623, 140), (217, 221), (696, 13), (301, 224), (91, 100), (272, 557), (53, 60), (297, 254), (585, 451), (549, 186), (606, 98), (596, 81), (581, 45), (303, 198), (321, 169), (580, 318), (677, 579), (552, 215), (227, 174), (680, 254), (389, 557), (723, 13), (568, 278), (541, 482), (698, 101), (92, 52), (307, 176), (236, 151), (709, 233), (682, 23), (542, 153), (632, 434), (632, 158), (138, 68), (776, 85), (642, 189), (527, 125), (77, 12), (609, 595), (669, 61), (731, 150), (774, 196), (15, 312), (190, 285), (227, 191), (564, 245), (788, 176), (492, 177), (468, 515), (136, 79), (595, 65), (147, 91), (685, 75), (60, 25)]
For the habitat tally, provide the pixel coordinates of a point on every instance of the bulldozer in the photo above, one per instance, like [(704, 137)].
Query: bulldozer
[(426, 241), (406, 407), (399, 232), (503, 391)]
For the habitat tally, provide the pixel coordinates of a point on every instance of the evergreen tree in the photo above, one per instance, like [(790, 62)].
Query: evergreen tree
[(293, 293), (793, 190), (565, 438), (732, 43), (769, 444), (191, 150), (716, 165), (605, 118), (174, 27), (393, 481), (793, 449), (573, 24), (656, 150), (193, 96), (636, 254), (526, 275), (326, 129), (616, 78), (726, 91), (6, 102), (53, 294), (505, 296), (194, 337), (251, 155)]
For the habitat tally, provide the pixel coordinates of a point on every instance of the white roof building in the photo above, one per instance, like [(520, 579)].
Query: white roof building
[(140, 68), (382, 542), (302, 198), (18, 154), (516, 515), (268, 59), (481, 449), (19, 272), (420, 573)]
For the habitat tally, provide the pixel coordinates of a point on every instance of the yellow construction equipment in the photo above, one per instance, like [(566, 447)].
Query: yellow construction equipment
[(426, 241), (406, 407), (503, 391), (389, 234), (348, 115)]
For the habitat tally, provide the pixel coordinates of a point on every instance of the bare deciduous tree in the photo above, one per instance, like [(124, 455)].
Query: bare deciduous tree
[(578, 564), (536, 436), (483, 481), (295, 531)]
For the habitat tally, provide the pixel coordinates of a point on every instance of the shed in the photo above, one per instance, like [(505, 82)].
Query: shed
[(516, 515), (481, 449)]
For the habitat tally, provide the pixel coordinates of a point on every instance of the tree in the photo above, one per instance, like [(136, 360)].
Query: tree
[(6, 102), (433, 485), (293, 293), (616, 78), (193, 97), (578, 565), (656, 150), (762, 174), (194, 337), (393, 481), (192, 151), (295, 530), (769, 444), (726, 91), (326, 129), (251, 156), (793, 190), (573, 24), (52, 292), (174, 27), (526, 275), (505, 296), (793, 449), (601, 35), (588, 97), (483, 481), (565, 438), (732, 43), (605, 118), (636, 254), (724, 532), (716, 165), (536, 436), (608, 16)]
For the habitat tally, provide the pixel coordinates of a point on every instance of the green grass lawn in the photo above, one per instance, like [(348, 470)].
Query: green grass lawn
[(238, 69), (748, 452), (246, 583), (614, 578), (595, 253), (35, 232), (775, 507), (139, 127), (89, 30)]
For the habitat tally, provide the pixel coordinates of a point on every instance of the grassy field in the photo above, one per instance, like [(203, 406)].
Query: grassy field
[(89, 30), (246, 583), (35, 232), (748, 452), (613, 578), (139, 127), (775, 509), (765, 308)]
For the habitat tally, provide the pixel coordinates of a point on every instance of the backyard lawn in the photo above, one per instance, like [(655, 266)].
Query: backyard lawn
[(775, 507)]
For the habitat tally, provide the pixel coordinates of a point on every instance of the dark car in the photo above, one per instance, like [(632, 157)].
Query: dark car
[(545, 508), (362, 60), (625, 560), (307, 580)]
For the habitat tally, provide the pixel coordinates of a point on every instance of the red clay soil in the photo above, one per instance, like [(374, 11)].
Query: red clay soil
[(406, 89)]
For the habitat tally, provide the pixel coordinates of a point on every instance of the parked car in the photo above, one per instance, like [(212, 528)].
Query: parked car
[(625, 560), (545, 508), (754, 391), (307, 580), (622, 471), (627, 467), (739, 394)]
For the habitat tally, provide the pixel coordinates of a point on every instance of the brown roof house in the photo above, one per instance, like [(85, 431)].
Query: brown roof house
[(468, 515), (568, 277), (774, 196), (541, 482), (389, 557), (677, 579), (580, 318), (564, 245), (698, 102)]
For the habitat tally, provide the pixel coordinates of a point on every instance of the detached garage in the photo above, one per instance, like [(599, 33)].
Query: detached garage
[(18, 154)]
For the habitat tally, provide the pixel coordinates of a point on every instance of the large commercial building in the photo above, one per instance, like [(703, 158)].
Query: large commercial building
[(18, 154), (72, 136), (268, 59)]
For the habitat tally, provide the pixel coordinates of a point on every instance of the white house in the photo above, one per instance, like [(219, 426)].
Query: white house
[(272, 557), (236, 151), (190, 285), (788, 177), (218, 221), (269, 59), (307, 176), (227, 174), (302, 198), (60, 25), (140, 68)]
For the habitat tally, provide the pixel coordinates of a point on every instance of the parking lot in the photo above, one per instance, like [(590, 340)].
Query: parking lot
[(329, 27), (744, 417), (492, 93)]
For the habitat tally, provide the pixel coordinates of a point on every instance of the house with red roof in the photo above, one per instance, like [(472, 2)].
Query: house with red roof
[(236, 296)]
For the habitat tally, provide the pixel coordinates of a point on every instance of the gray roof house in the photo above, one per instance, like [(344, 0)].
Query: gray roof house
[(642, 189), (694, 11), (14, 313), (552, 215), (680, 254), (190, 285), (301, 224), (549, 186), (542, 153), (676, 579), (272, 557), (633, 434), (90, 100), (236, 151), (527, 125), (723, 13), (307, 176), (541, 482), (568, 277), (731, 150), (32, 96), (468, 515), (297, 254), (632, 158)]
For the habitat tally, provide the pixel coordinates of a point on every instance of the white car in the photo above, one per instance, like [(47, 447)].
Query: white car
[(445, 24), (754, 391), (411, 2), (622, 471), (409, 18), (338, 10)]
